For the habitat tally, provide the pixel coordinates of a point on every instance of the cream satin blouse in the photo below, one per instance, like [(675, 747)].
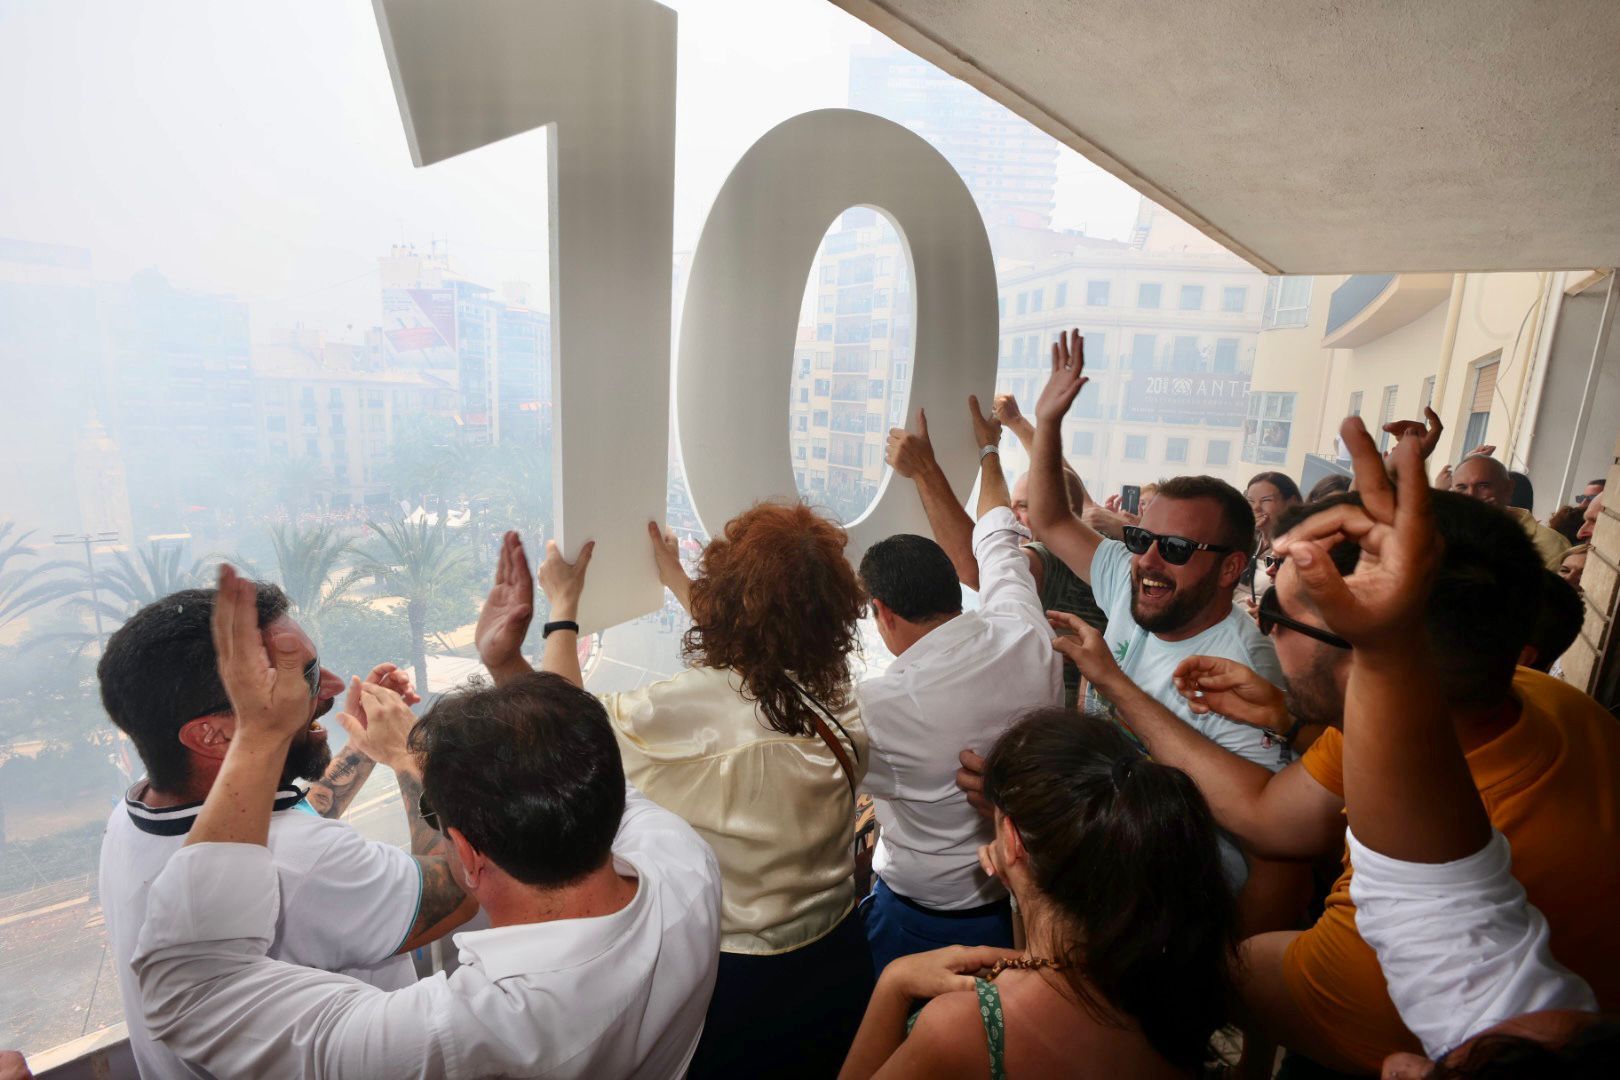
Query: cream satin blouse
[(775, 808)]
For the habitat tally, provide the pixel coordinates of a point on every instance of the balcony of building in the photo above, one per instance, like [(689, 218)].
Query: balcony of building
[(1365, 307)]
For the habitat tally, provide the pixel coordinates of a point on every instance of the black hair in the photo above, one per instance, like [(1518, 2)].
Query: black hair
[(1332, 484), (1593, 1053), (1281, 481), (1486, 595), (913, 577), (1524, 492), (159, 672), (529, 772), (1237, 517), (1558, 622), (1125, 850)]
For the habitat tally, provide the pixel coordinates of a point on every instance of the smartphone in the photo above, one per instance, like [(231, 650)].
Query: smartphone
[(1130, 498)]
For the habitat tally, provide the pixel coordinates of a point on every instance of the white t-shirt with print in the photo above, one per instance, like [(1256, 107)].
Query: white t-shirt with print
[(348, 903), (1150, 662)]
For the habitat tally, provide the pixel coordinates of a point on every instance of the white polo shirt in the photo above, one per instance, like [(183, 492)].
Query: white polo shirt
[(348, 903), (620, 995), (959, 686)]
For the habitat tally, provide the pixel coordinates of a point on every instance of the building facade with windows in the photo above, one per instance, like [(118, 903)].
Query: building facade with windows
[(323, 406), (1170, 325), (1384, 347)]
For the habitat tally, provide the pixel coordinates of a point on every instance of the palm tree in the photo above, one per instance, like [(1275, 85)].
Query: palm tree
[(423, 564), (26, 585), (310, 568), (132, 582)]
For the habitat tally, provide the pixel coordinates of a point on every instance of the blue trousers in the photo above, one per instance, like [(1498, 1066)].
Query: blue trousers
[(897, 926)]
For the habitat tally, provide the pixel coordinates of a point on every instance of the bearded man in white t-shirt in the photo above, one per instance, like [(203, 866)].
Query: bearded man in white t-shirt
[(349, 904), (1167, 591)]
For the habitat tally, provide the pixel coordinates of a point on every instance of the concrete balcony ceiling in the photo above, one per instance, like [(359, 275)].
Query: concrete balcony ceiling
[(1317, 137)]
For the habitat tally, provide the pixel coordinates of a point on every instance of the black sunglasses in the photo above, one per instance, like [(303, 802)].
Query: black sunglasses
[(1271, 617), (1175, 550), (429, 816)]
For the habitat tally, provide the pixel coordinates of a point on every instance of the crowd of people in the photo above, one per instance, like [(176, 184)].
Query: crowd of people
[(1223, 773)]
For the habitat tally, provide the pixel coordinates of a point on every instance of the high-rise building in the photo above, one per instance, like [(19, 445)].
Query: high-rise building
[(180, 403), (51, 350), (498, 347), (1008, 164)]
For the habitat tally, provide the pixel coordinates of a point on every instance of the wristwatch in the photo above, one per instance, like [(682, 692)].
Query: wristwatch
[(986, 451)]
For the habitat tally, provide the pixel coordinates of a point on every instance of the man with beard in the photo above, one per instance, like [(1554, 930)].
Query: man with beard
[(1544, 756), (348, 904), (1167, 588)]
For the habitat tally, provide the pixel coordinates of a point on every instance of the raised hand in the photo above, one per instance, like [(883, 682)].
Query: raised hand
[(396, 679), (986, 429), (1381, 604), (1214, 684), (667, 554), (503, 622), (564, 581), (1428, 431), (910, 453), (379, 724), (1005, 407), (1067, 379), (267, 689)]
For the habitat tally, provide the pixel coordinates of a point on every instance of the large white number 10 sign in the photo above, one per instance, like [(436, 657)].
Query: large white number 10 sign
[(599, 75)]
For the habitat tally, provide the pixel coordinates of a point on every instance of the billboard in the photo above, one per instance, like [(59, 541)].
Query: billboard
[(1222, 400), (419, 326)]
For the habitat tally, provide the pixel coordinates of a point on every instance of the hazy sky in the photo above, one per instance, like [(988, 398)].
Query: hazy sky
[(256, 149)]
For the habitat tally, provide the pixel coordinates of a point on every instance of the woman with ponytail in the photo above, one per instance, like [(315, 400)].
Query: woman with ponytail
[(1129, 926)]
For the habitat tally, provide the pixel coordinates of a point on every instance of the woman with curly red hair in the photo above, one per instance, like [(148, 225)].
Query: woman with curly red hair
[(758, 746)]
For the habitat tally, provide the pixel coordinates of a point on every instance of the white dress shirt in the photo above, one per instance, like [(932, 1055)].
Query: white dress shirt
[(959, 686), (348, 903), (1461, 947), (620, 995)]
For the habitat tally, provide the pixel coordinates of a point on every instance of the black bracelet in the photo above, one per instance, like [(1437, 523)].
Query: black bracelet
[(560, 624)]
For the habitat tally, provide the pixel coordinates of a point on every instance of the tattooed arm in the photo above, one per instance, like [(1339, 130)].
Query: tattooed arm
[(444, 905), (331, 795), (379, 724)]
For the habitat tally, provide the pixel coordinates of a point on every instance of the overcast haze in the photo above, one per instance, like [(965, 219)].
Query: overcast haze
[(257, 149)]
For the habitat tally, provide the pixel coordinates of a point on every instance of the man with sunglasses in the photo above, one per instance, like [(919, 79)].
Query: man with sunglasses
[(1545, 756), (1167, 587), (604, 907), (352, 905)]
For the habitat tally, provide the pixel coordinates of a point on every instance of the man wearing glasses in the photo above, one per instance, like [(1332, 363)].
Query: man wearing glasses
[(1545, 756), (1167, 588), (349, 904), (604, 907)]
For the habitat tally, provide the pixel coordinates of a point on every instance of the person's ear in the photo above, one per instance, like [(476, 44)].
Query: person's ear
[(1232, 569), (1012, 844), (881, 614), (472, 862), (1528, 656), (207, 736)]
